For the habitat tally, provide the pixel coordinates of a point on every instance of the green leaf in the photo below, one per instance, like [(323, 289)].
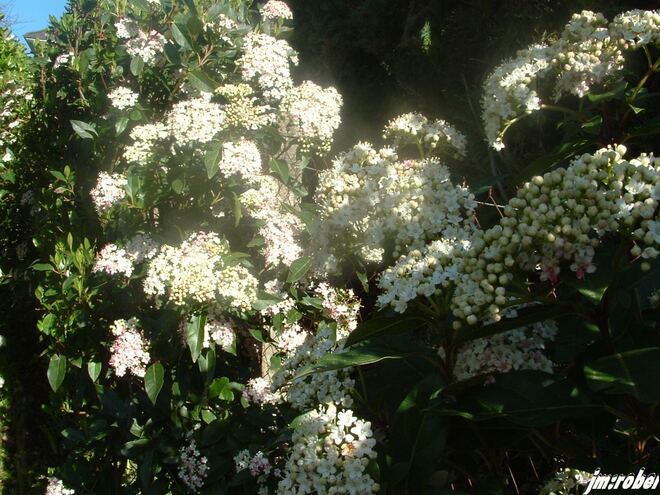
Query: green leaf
[(120, 125), (43, 267), (56, 371), (94, 370), (212, 159), (364, 280), (238, 209), (153, 381), (257, 334), (177, 186), (195, 335), (633, 372), (616, 93), (265, 300), (200, 80), (83, 129), (281, 169), (358, 356), (137, 65), (181, 36), (379, 327), (299, 269)]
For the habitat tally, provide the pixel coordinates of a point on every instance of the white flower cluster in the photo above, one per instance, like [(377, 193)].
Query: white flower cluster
[(560, 217), (241, 158), (588, 52), (221, 25), (281, 229), (567, 481), (56, 487), (267, 61), (140, 44), (275, 9), (144, 138), (113, 259), (196, 120), (341, 306), (12, 102), (319, 388), (109, 190), (636, 28), (311, 114), (129, 349), (436, 136), (218, 329), (370, 196), (519, 349), (286, 303), (331, 451), (258, 391), (193, 466), (62, 59), (122, 98), (242, 110), (201, 271), (258, 464)]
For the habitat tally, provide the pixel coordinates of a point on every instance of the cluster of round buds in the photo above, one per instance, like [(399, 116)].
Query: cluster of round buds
[(145, 137), (56, 487), (519, 349), (129, 350), (560, 217), (242, 110), (636, 28), (435, 136), (201, 271), (311, 114), (369, 197), (331, 451), (193, 467), (109, 190)]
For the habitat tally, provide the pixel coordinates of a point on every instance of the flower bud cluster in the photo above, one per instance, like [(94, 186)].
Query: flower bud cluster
[(560, 217), (122, 98), (242, 110), (144, 138), (435, 136), (311, 114), (129, 350), (201, 271), (193, 467), (636, 28), (370, 196), (276, 9)]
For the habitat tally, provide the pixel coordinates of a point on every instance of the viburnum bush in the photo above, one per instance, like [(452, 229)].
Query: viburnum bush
[(224, 308)]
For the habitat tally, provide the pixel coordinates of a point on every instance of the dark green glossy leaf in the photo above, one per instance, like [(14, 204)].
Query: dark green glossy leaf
[(153, 381), (299, 269), (56, 371)]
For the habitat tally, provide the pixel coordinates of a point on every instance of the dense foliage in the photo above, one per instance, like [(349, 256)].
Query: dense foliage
[(198, 298)]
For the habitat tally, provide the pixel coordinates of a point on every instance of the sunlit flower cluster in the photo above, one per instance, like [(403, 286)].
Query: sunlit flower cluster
[(588, 52), (109, 190), (341, 305), (196, 120), (556, 219), (122, 98), (114, 260), (267, 60), (147, 46), (56, 487), (13, 99), (330, 453), (433, 136), (144, 138), (201, 271), (258, 464), (193, 467), (280, 229), (276, 9), (258, 391), (311, 114), (519, 349), (129, 352), (242, 110), (241, 158), (567, 481), (371, 196)]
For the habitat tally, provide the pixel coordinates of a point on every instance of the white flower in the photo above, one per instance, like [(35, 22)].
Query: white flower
[(196, 120), (109, 190), (129, 350), (123, 98), (146, 46), (56, 487), (193, 467), (241, 158), (276, 9)]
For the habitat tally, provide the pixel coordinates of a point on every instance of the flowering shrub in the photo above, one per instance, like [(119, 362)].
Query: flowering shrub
[(222, 309)]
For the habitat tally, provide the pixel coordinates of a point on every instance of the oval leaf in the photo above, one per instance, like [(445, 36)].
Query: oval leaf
[(299, 269), (56, 371), (153, 381)]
